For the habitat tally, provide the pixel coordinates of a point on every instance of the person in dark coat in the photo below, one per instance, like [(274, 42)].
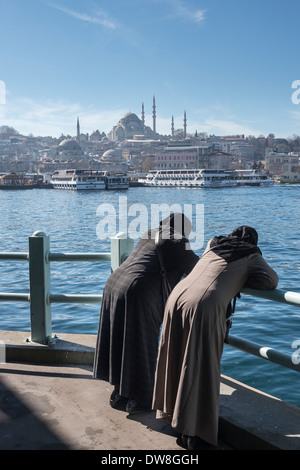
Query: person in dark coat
[(187, 381), (132, 312)]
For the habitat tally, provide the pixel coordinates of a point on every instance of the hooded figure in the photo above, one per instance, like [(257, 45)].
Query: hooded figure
[(132, 312), (187, 380)]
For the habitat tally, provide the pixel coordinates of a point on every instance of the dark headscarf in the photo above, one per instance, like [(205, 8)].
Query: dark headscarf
[(175, 226), (238, 244)]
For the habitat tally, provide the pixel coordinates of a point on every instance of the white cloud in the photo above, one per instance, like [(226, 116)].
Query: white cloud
[(100, 17), (226, 127), (183, 10), (210, 126), (56, 117), (59, 117), (295, 114)]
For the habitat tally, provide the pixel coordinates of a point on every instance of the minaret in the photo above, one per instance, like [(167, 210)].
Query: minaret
[(184, 125), (172, 126), (78, 131), (143, 117), (154, 115)]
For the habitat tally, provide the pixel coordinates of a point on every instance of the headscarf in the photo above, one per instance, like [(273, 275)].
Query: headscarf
[(238, 244), (176, 226)]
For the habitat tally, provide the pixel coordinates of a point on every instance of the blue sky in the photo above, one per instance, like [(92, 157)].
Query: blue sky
[(229, 63)]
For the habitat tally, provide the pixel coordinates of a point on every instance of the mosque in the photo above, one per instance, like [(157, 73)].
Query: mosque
[(131, 126)]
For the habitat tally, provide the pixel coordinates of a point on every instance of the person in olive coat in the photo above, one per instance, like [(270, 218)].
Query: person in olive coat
[(187, 381)]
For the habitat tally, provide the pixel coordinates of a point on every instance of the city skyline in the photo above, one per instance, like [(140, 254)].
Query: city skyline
[(231, 66)]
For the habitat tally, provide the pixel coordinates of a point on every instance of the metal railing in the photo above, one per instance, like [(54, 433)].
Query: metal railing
[(265, 352), (40, 296)]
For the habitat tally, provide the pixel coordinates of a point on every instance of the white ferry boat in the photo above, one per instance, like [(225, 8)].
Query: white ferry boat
[(253, 178), (78, 179), (88, 180), (189, 178), (116, 180)]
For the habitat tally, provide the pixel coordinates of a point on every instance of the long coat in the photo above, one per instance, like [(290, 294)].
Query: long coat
[(187, 379), (131, 316)]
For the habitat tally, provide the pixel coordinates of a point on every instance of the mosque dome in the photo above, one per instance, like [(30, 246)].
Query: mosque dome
[(69, 149), (110, 155), (130, 118), (69, 144), (128, 126)]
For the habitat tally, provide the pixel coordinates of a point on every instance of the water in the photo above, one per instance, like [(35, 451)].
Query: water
[(71, 220)]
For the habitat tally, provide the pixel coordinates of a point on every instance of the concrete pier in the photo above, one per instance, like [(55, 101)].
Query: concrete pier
[(49, 400)]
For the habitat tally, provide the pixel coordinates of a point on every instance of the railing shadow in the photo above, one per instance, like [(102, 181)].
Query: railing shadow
[(20, 428)]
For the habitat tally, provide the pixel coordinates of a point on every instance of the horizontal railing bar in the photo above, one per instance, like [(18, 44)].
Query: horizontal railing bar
[(14, 256), (75, 298), (278, 295), (18, 256), (264, 352), (79, 256), (11, 296)]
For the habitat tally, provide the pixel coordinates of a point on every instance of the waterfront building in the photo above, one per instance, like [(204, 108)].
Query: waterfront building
[(13, 180), (238, 146), (280, 162), (220, 160), (182, 155), (291, 177)]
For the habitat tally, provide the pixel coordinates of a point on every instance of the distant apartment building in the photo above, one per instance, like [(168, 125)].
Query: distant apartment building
[(280, 162), (180, 155), (238, 146), (220, 161)]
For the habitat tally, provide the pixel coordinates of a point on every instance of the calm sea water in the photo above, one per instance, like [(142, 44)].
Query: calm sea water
[(71, 219)]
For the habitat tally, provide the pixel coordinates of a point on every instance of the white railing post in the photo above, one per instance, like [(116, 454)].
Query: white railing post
[(39, 275), (121, 247)]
